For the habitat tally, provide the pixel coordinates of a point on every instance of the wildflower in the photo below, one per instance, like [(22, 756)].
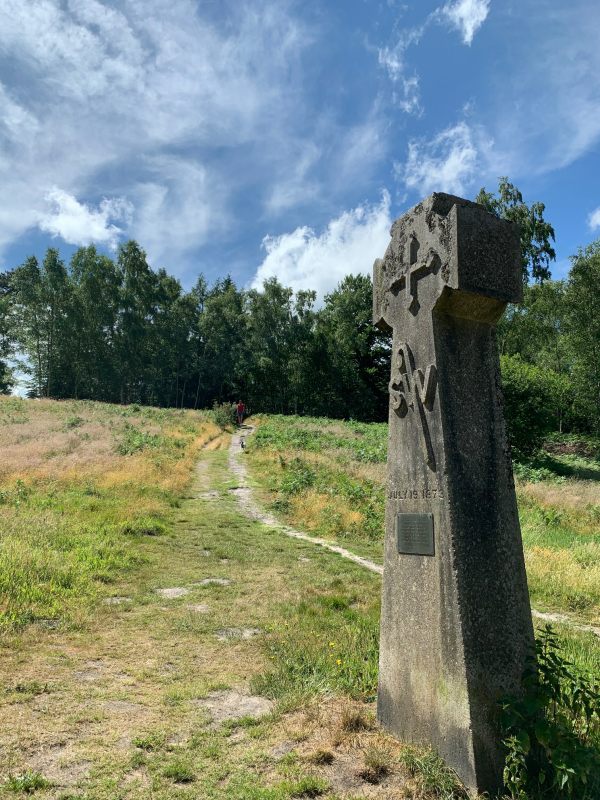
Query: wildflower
[(339, 661), (331, 644)]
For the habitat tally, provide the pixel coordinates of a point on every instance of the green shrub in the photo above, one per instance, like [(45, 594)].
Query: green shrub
[(529, 399), (133, 440), (297, 476), (222, 414), (552, 731)]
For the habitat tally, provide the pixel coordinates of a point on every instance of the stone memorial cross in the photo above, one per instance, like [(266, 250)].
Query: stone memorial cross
[(456, 623)]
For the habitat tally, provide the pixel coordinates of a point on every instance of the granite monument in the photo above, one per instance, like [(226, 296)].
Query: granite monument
[(456, 622)]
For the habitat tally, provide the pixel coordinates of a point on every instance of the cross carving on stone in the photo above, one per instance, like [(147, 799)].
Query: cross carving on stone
[(415, 270)]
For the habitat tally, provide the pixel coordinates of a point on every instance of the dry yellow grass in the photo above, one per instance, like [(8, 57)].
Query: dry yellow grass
[(571, 575), (571, 495)]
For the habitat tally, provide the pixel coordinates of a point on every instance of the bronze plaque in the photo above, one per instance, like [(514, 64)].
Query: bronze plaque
[(415, 534)]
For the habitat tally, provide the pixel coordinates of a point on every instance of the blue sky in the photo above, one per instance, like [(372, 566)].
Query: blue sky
[(276, 137)]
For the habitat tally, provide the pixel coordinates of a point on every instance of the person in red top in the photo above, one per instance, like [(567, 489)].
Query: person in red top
[(240, 409)]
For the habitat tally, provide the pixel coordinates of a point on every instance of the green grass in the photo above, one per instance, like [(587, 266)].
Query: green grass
[(328, 477), (330, 643), (27, 783), (123, 690), (71, 524)]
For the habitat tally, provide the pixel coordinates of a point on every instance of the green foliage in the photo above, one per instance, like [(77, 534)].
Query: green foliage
[(222, 414), (528, 398), (363, 442), (28, 783), (133, 440), (536, 233), (552, 731), (297, 476), (583, 330), (119, 331), (6, 344)]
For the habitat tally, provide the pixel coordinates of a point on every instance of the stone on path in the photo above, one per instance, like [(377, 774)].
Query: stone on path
[(210, 495), (225, 634), (456, 624), (213, 582), (173, 593), (199, 608)]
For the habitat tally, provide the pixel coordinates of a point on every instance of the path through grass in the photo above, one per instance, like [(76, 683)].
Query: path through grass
[(224, 661), (327, 477)]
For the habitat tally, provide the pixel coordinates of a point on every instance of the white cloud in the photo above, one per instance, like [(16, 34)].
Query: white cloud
[(406, 94), (594, 219), (114, 95), (294, 186), (446, 163), (466, 16), (176, 208), (546, 107), (309, 171), (79, 224), (350, 243)]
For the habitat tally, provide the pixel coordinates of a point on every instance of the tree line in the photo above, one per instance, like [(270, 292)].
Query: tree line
[(116, 330)]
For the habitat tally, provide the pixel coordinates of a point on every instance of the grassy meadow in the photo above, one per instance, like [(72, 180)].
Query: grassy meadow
[(82, 485), (145, 620), (328, 477)]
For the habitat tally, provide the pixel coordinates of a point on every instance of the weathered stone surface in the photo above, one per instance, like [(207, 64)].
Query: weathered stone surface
[(456, 625), (173, 592)]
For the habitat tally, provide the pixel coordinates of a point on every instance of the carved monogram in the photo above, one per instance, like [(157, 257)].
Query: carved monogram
[(411, 390)]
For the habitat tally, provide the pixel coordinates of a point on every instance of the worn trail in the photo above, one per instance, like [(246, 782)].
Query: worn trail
[(251, 508)]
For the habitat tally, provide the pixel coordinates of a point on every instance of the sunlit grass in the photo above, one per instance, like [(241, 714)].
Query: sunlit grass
[(327, 477), (81, 484)]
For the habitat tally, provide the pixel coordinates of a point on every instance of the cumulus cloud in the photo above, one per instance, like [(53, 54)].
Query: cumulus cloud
[(594, 219), (466, 16), (349, 244), (79, 224), (448, 162)]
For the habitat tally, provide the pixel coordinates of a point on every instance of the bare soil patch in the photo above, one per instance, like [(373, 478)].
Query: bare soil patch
[(233, 704)]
